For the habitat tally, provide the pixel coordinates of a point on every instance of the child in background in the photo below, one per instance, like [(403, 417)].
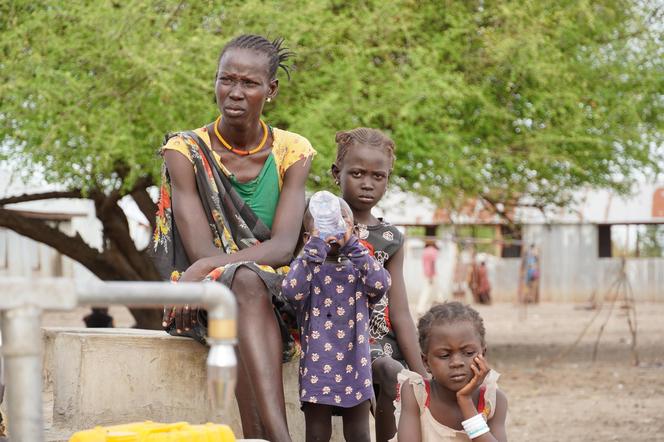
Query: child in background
[(330, 284), (365, 158), (461, 401)]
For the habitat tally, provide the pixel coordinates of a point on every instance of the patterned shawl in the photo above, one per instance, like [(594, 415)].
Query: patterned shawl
[(234, 227)]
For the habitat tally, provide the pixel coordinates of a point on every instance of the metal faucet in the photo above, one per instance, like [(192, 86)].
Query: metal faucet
[(22, 302)]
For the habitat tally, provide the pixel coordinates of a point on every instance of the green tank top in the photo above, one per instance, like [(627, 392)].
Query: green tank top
[(261, 193)]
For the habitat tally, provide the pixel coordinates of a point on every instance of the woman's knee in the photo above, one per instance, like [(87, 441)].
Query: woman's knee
[(248, 287)]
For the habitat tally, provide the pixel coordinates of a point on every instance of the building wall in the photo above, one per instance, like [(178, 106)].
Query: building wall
[(23, 257), (570, 269)]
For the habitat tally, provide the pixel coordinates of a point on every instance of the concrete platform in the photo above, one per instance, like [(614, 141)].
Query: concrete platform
[(115, 376)]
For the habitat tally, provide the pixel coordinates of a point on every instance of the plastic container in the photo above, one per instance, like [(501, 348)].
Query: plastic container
[(156, 432), (326, 212)]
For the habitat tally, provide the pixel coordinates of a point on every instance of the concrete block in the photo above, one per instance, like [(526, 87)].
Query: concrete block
[(115, 376)]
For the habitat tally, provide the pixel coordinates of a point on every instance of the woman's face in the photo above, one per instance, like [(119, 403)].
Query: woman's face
[(243, 84)]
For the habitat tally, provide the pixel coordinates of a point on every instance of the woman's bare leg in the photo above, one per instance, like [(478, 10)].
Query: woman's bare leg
[(259, 343), (252, 427)]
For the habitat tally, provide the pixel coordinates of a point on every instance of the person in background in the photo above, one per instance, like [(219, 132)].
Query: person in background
[(530, 271), (479, 281), (429, 258)]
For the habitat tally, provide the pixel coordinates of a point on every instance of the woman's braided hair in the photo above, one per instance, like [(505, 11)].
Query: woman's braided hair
[(275, 51), (446, 313), (363, 136)]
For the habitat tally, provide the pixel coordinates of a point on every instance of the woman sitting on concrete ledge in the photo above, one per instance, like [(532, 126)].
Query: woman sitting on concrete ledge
[(231, 208)]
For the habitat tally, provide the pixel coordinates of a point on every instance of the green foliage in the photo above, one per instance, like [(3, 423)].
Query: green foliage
[(652, 241), (500, 98), (637, 240)]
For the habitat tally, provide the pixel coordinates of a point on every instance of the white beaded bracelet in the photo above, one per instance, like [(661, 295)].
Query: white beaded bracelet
[(479, 432), (475, 426)]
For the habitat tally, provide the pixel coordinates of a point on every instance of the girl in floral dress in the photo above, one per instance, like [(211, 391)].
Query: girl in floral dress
[(330, 285)]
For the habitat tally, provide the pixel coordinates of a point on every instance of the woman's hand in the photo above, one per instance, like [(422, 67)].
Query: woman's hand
[(200, 269), (480, 369), (185, 317)]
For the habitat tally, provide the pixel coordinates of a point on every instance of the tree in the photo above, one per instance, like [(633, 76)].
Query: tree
[(514, 101)]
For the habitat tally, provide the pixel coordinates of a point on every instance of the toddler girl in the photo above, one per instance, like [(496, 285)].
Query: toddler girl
[(330, 284)]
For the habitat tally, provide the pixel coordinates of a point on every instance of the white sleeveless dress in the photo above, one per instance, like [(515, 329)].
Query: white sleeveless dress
[(432, 430)]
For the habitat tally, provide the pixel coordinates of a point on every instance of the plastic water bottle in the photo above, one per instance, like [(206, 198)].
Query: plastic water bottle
[(326, 212)]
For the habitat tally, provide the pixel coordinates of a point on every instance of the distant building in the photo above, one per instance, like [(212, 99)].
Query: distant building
[(580, 248)]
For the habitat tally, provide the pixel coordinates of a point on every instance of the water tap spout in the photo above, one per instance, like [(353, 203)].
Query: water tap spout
[(221, 360)]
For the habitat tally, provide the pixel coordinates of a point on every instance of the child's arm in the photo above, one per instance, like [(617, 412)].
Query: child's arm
[(408, 427), (402, 321), (374, 276), (497, 422), (465, 401), (297, 283)]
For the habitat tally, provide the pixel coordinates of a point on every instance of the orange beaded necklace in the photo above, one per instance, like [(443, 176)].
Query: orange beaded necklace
[(240, 151)]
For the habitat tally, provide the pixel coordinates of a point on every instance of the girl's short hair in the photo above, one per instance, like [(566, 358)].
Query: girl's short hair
[(275, 51), (446, 313), (363, 136)]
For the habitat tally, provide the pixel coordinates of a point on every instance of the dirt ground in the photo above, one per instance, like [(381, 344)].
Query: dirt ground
[(568, 398)]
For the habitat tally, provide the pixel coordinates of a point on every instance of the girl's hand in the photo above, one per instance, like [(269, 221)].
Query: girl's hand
[(480, 369)]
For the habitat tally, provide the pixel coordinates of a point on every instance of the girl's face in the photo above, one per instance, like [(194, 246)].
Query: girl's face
[(243, 84), (452, 347), (363, 176)]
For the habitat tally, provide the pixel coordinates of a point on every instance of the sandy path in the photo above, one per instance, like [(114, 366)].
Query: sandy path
[(571, 399)]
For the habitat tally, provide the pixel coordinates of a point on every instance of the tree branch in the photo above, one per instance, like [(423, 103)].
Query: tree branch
[(501, 213), (41, 196), (116, 231), (173, 15), (144, 202)]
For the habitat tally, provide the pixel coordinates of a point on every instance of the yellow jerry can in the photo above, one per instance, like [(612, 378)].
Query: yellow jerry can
[(156, 432)]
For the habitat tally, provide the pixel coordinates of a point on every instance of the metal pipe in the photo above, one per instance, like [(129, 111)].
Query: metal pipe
[(142, 294), (22, 344), (22, 353)]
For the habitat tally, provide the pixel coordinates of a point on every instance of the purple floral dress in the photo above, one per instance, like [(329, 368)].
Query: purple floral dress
[(331, 299)]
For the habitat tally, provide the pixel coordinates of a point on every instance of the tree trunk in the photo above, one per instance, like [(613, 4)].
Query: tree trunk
[(119, 259)]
